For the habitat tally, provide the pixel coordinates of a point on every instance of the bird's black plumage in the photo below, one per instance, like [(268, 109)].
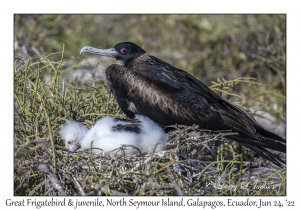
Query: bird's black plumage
[(129, 125), (146, 85)]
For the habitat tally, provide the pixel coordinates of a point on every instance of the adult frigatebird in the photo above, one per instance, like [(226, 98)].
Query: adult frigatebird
[(146, 85)]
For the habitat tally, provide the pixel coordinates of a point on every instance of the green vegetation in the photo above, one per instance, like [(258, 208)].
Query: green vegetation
[(242, 57)]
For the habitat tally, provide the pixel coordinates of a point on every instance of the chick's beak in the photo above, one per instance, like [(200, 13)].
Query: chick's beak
[(74, 147)]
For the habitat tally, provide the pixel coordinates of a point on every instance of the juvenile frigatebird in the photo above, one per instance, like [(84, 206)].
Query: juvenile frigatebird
[(109, 133), (146, 85)]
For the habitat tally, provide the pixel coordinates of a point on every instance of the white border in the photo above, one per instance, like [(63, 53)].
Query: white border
[(54, 6)]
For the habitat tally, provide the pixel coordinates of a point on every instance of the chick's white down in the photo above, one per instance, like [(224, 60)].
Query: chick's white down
[(103, 137)]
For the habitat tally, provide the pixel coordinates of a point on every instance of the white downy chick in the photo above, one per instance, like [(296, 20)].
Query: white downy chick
[(107, 135), (72, 133)]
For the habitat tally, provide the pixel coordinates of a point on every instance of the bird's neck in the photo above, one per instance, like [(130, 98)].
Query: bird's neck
[(120, 62)]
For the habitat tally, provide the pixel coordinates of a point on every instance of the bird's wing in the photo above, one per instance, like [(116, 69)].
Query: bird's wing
[(171, 97), (174, 77), (158, 70), (179, 79)]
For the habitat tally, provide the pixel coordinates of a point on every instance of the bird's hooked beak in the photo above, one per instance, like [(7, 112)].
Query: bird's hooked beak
[(74, 147), (106, 52)]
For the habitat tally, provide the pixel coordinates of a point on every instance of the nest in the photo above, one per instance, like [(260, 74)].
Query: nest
[(191, 164)]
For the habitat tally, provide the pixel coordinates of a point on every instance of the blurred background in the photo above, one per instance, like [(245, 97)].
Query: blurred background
[(217, 49)]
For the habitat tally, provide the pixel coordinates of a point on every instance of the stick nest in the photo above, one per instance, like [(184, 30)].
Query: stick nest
[(191, 164)]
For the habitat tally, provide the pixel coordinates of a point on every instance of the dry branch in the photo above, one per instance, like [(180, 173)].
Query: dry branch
[(53, 179)]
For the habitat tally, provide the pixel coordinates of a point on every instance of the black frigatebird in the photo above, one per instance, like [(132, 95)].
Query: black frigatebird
[(146, 85)]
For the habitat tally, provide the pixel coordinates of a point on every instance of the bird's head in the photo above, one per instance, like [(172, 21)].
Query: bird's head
[(122, 52), (72, 133)]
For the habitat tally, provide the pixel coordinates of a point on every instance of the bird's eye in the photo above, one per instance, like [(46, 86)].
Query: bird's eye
[(124, 50), (69, 142)]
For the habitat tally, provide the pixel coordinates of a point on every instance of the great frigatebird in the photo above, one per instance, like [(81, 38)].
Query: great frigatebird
[(146, 85)]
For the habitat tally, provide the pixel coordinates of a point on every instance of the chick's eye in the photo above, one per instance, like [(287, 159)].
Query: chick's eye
[(124, 50), (69, 142)]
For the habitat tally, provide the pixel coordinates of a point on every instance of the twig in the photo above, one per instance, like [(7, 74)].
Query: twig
[(37, 52), (20, 118), (173, 183), (79, 186), (48, 191), (27, 144), (51, 138), (105, 189), (33, 191), (53, 179)]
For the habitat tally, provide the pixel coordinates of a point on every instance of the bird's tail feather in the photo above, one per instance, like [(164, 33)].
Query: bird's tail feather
[(259, 147), (269, 135)]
